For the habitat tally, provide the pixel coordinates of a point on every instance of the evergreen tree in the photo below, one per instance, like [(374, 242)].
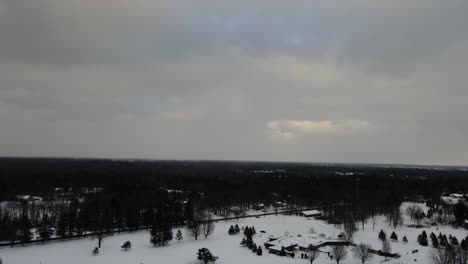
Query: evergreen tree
[(246, 230), (424, 233), (160, 234), (440, 237), (24, 233), (254, 248), (188, 210), (72, 219), (10, 233), (464, 244), (45, 229), (179, 236), (405, 240), (460, 212), (237, 229), (243, 242), (422, 239), (435, 241), (394, 236), (382, 235), (259, 251), (206, 256), (62, 226)]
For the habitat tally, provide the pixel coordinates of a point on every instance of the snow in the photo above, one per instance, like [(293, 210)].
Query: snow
[(225, 246), (311, 213)]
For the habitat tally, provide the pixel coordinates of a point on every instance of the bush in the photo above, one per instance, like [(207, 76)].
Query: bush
[(127, 245), (95, 251)]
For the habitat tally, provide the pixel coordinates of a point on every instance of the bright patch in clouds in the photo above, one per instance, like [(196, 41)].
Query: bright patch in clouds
[(290, 129)]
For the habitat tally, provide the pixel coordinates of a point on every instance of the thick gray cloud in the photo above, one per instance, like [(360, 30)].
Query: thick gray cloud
[(332, 81)]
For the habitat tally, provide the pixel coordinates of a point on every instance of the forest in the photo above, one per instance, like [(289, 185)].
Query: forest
[(66, 198)]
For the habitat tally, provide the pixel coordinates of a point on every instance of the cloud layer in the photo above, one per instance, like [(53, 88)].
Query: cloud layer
[(334, 81)]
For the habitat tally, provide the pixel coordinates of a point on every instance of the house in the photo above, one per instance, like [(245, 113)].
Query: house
[(311, 213), (28, 198), (258, 206), (301, 242)]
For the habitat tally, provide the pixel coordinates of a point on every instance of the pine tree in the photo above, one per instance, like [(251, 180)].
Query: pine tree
[(179, 236), (237, 229), (206, 256), (160, 234), (156, 236), (45, 228), (259, 251), (254, 248), (62, 226), (424, 233), (24, 233), (422, 239), (435, 241), (394, 236), (246, 230), (382, 235), (405, 240)]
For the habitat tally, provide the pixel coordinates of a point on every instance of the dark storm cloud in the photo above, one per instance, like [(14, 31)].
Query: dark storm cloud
[(350, 81)]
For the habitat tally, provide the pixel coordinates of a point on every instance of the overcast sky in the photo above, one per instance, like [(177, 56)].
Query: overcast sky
[(322, 81)]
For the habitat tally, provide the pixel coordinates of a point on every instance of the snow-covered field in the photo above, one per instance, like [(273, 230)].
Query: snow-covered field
[(226, 247)]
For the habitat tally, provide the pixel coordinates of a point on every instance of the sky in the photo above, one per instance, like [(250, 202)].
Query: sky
[(360, 81)]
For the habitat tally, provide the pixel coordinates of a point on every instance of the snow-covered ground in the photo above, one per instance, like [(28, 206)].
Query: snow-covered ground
[(221, 244)]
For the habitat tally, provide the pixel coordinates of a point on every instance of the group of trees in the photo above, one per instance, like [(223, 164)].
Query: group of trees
[(442, 241), (416, 213), (448, 250), (234, 230), (449, 255), (99, 214), (201, 224), (248, 242)]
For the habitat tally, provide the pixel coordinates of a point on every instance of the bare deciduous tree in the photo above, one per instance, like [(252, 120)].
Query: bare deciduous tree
[(208, 226), (410, 210), (339, 252), (418, 215), (362, 252), (195, 227), (386, 247), (350, 229), (313, 254), (238, 212), (440, 256), (394, 218)]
